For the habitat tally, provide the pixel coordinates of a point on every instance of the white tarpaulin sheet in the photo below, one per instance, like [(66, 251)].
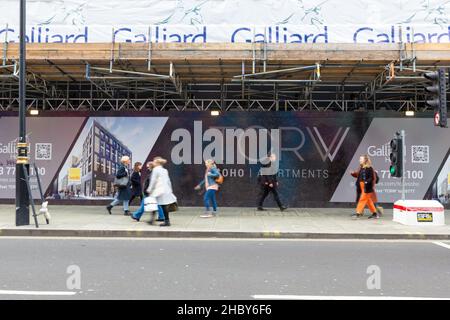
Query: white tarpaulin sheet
[(202, 21)]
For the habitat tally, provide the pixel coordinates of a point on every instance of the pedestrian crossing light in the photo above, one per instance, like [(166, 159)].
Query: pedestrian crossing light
[(437, 93), (396, 156)]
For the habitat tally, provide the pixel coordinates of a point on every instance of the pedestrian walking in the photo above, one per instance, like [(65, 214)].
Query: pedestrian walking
[(136, 188), (210, 182), (366, 178), (139, 212), (357, 174), (160, 188), (123, 185), (268, 183)]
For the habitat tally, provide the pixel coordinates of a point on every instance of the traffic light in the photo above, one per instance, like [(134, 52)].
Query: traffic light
[(396, 156), (437, 92)]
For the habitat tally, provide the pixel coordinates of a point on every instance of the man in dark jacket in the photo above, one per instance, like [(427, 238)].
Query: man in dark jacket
[(124, 191), (267, 181)]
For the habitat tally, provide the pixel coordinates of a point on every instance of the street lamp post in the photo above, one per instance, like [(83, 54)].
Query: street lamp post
[(22, 198)]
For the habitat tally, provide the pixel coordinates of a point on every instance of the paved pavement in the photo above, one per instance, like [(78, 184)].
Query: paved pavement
[(126, 268), (231, 222)]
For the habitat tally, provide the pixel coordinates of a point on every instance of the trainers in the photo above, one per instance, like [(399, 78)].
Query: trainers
[(380, 211), (206, 215), (260, 209), (373, 216), (356, 216), (165, 224)]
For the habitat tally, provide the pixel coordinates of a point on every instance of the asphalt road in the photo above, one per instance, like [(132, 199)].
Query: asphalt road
[(36, 268)]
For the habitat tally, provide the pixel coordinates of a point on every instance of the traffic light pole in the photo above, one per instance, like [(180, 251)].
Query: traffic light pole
[(437, 90), (402, 134)]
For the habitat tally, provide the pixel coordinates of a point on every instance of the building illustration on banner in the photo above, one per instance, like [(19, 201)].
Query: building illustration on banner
[(97, 152), (101, 158), (98, 164)]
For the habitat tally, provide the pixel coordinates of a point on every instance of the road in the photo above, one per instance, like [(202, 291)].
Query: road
[(60, 268)]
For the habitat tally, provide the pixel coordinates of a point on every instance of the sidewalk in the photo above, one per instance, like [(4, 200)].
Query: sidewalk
[(302, 223)]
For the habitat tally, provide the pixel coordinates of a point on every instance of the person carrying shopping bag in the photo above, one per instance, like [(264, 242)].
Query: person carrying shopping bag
[(139, 212), (160, 188)]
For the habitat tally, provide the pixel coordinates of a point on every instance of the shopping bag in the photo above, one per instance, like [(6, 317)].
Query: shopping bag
[(150, 204)]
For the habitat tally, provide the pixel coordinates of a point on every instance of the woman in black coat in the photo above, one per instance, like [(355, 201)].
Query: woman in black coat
[(136, 188), (123, 192)]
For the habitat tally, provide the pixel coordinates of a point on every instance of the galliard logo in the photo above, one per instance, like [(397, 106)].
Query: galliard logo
[(230, 145), (380, 151)]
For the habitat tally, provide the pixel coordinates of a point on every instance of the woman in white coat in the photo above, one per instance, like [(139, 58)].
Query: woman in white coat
[(160, 188)]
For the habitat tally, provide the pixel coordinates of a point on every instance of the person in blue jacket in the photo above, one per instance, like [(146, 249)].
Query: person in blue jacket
[(211, 187)]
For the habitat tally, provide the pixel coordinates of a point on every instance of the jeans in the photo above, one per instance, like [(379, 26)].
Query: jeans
[(139, 212), (210, 196), (125, 204)]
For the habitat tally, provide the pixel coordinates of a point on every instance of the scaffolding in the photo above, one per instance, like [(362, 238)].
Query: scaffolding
[(227, 77)]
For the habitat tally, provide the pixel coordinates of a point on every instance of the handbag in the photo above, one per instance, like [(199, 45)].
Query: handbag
[(150, 204), (219, 179), (121, 182), (172, 207)]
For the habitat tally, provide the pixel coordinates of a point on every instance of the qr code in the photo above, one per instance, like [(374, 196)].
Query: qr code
[(43, 151), (420, 154)]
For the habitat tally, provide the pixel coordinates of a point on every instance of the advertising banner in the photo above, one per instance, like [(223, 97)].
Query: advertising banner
[(205, 21), (316, 152)]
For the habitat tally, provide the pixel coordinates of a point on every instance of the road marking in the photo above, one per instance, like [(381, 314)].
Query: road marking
[(295, 297), (442, 244), (37, 293)]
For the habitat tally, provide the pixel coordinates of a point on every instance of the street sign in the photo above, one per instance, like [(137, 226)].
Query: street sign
[(22, 153), (74, 175)]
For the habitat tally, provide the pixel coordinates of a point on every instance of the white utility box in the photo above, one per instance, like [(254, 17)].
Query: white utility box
[(419, 212)]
